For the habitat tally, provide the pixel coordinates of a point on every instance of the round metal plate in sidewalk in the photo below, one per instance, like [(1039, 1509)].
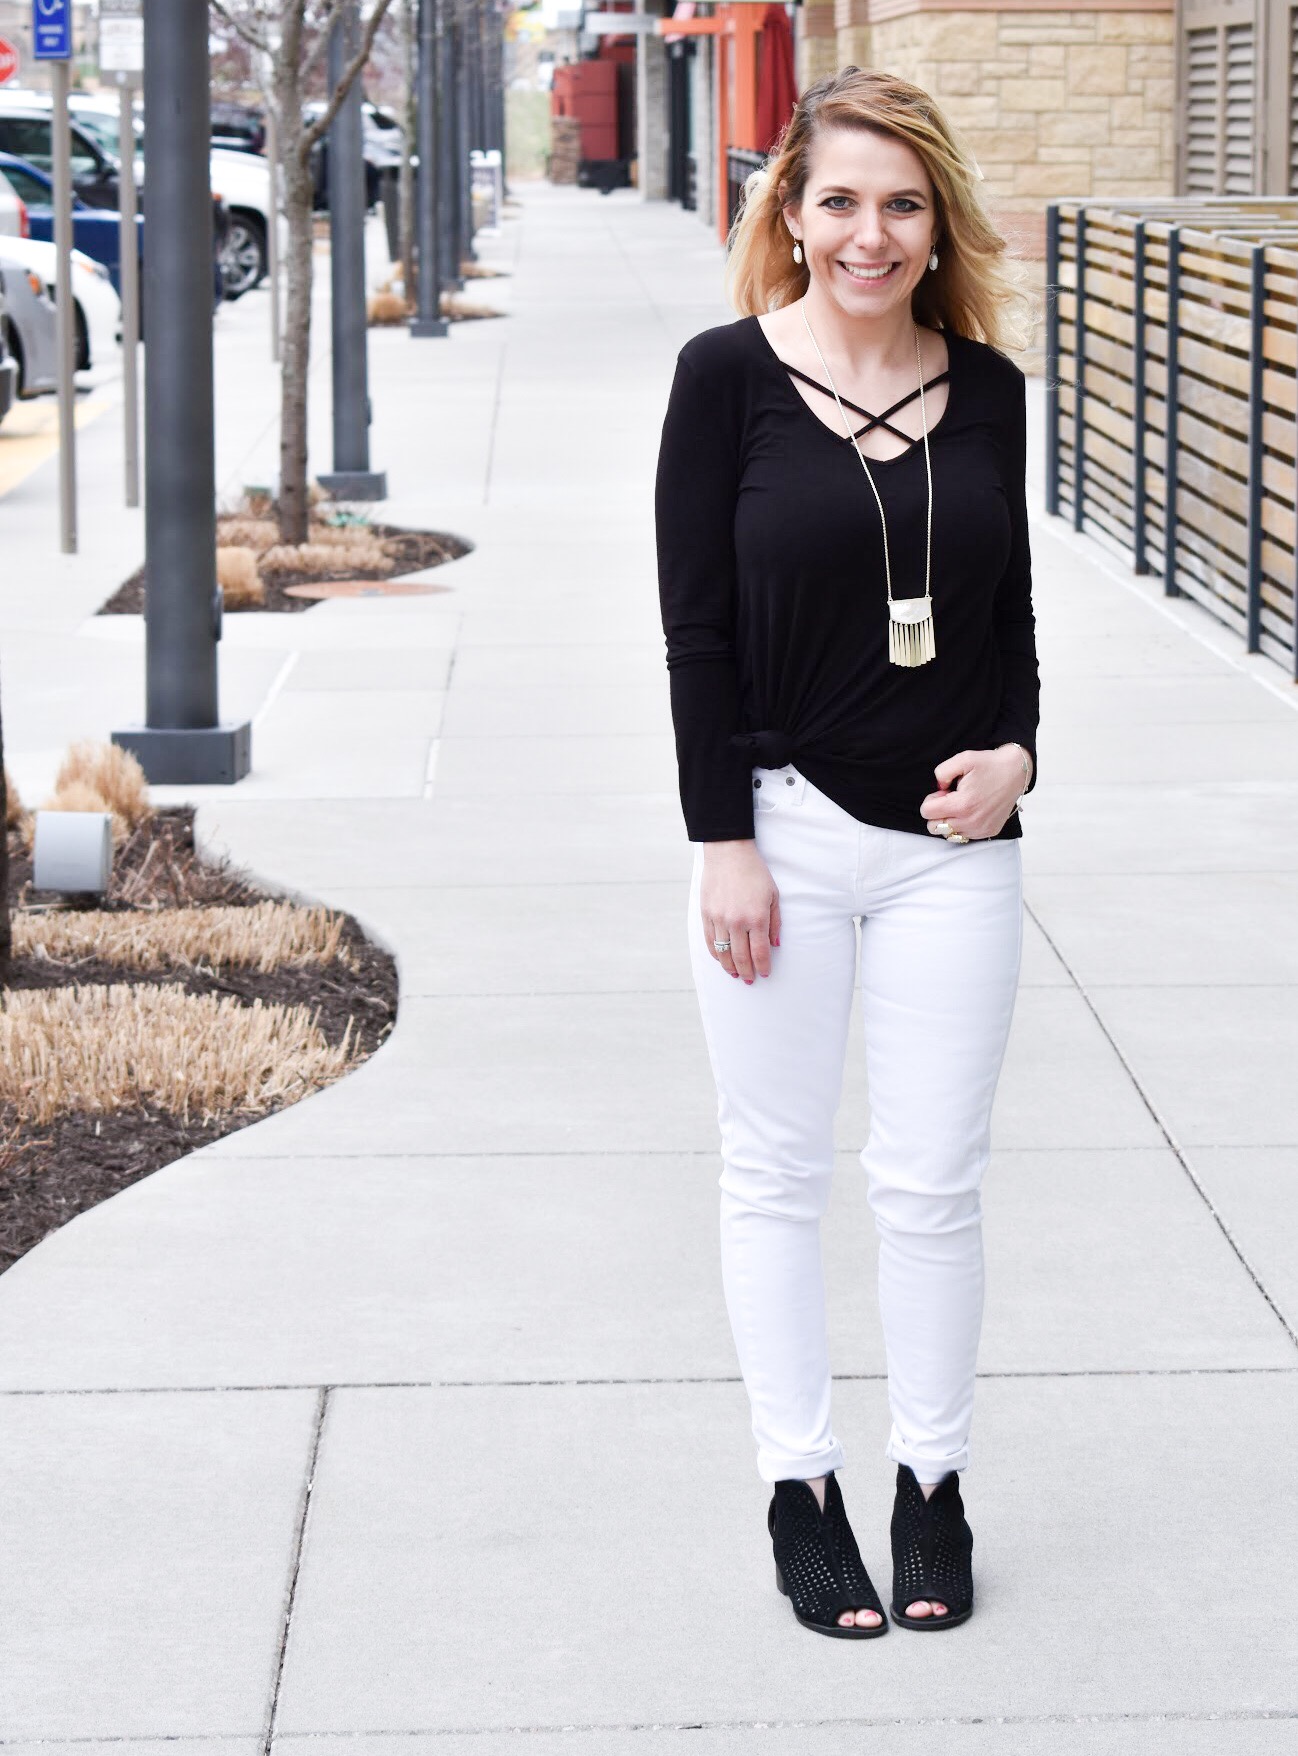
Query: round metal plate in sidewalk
[(364, 588)]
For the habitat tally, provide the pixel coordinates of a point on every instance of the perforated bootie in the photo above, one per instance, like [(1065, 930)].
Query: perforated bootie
[(818, 1566), (932, 1552)]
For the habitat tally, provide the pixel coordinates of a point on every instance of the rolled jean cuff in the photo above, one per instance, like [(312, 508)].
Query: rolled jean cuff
[(926, 1468), (777, 1466)]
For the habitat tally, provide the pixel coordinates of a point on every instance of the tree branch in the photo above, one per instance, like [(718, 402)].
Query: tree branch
[(315, 54), (241, 28), (321, 125)]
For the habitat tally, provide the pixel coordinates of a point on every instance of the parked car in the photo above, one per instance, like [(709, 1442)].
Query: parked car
[(13, 212), (96, 175), (383, 145), (30, 333), (97, 309), (238, 126), (8, 365), (25, 132), (239, 177), (95, 230)]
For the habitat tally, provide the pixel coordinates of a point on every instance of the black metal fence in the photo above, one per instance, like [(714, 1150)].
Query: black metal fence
[(740, 165), (1172, 398)]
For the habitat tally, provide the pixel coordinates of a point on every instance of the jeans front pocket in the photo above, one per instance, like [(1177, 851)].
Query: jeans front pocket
[(774, 788)]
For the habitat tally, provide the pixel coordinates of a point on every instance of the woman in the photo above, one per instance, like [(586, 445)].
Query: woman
[(854, 686)]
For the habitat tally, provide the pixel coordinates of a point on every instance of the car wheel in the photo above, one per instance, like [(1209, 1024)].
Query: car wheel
[(243, 256), (16, 349), (82, 344)]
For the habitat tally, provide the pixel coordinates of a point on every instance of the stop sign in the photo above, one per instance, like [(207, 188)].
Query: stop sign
[(8, 60)]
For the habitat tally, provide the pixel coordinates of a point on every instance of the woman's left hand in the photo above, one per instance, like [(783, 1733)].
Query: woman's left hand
[(990, 781)]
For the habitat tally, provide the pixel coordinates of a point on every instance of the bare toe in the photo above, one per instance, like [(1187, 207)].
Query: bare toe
[(868, 1618), (847, 1619), (922, 1608)]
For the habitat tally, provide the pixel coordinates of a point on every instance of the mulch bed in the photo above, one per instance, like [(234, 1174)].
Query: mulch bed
[(410, 550), (53, 1171)]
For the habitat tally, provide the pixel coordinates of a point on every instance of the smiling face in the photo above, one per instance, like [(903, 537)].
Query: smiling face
[(867, 220)]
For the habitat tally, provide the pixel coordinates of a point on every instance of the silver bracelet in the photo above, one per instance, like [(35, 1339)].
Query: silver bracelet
[(1026, 772)]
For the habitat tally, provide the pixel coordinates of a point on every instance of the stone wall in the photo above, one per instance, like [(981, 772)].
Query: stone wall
[(1052, 103)]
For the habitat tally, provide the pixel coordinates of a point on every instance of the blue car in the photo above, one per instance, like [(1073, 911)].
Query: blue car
[(95, 230)]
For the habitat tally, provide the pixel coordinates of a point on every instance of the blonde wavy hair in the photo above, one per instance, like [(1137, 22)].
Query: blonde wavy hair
[(975, 290)]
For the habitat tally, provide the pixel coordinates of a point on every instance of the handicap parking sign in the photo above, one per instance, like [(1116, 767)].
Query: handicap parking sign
[(52, 30)]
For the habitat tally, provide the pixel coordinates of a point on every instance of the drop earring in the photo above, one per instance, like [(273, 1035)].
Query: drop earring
[(797, 250), (932, 259)]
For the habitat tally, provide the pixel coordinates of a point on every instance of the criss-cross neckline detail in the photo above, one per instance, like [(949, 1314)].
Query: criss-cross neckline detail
[(871, 421)]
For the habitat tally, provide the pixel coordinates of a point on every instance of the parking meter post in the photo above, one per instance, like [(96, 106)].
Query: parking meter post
[(352, 478), (428, 320), (66, 333), (129, 259), (182, 741)]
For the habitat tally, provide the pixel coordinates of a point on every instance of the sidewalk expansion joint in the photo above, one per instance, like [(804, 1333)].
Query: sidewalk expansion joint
[(1164, 1128), (295, 1568), (1028, 1374), (1238, 1716)]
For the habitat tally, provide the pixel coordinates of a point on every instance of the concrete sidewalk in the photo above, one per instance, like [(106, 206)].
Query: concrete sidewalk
[(407, 1420)]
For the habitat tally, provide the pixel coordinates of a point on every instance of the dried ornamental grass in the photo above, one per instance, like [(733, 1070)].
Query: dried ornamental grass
[(111, 772), (237, 575), (13, 804), (389, 307), (100, 1049), (359, 554), (257, 534), (267, 936)]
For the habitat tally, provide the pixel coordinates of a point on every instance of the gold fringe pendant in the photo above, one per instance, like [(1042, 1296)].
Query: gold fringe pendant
[(910, 631)]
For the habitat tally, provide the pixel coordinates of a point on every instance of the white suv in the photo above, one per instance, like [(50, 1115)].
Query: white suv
[(241, 178)]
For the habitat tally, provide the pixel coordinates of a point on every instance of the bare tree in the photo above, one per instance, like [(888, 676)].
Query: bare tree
[(289, 39)]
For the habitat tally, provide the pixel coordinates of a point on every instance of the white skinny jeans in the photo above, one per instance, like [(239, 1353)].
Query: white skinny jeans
[(941, 944)]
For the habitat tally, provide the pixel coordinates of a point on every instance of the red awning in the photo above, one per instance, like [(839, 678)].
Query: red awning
[(777, 86)]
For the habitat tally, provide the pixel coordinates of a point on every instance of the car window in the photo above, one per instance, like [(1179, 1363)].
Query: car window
[(86, 160), (32, 190), (28, 138)]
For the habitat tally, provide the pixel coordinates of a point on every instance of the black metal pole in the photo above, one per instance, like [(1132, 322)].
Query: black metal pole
[(1256, 452), (1139, 375), (428, 320), (463, 132), (181, 742), (1079, 367), (1052, 358), (448, 180), (352, 478), (1171, 405)]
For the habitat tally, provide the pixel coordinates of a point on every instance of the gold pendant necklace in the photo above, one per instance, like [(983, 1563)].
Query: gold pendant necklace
[(910, 620)]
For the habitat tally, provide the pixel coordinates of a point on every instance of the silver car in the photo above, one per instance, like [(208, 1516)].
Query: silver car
[(30, 326), (11, 210), (8, 367)]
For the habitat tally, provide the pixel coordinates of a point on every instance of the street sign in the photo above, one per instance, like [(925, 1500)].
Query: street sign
[(52, 30), (9, 60), (121, 36)]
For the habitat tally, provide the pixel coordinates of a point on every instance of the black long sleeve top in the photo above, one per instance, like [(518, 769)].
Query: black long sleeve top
[(773, 594)]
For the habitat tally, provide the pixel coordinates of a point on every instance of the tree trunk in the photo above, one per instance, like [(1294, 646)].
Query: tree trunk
[(295, 359)]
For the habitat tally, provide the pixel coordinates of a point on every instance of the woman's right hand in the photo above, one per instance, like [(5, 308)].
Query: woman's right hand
[(740, 903)]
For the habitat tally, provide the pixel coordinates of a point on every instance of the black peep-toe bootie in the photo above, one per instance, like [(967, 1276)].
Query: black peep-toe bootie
[(932, 1552), (818, 1566)]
